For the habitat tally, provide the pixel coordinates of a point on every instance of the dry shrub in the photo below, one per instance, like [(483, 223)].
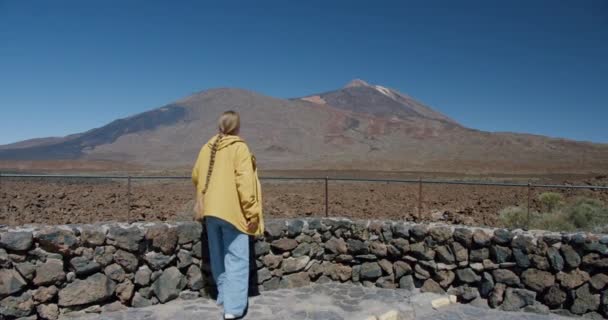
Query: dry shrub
[(583, 214)]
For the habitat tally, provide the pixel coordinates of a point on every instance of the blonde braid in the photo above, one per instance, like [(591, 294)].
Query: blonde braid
[(212, 160)]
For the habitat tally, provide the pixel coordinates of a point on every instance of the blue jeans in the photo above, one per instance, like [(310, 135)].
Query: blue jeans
[(229, 253)]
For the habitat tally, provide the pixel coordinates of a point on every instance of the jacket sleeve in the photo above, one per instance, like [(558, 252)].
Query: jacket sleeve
[(246, 182), (195, 170)]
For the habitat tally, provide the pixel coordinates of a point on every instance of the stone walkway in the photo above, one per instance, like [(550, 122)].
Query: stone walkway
[(319, 302)]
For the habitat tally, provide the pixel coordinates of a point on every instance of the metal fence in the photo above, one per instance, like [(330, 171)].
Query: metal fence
[(325, 180)]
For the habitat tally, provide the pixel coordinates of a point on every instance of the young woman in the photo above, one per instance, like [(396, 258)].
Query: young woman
[(226, 178)]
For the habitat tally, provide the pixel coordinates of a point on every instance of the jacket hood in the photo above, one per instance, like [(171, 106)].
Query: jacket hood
[(225, 142)]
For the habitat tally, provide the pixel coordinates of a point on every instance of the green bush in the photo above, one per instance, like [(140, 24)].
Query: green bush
[(551, 200), (587, 214), (583, 214), (553, 222), (513, 217)]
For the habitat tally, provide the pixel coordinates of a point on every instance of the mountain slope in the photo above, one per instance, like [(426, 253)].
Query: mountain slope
[(358, 127)]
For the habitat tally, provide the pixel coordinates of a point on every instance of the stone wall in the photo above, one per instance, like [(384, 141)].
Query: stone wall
[(45, 271)]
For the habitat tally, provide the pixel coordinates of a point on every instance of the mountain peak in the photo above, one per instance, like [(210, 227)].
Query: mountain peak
[(357, 83)]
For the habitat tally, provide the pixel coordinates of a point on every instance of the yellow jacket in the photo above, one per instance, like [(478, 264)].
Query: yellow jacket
[(234, 192)]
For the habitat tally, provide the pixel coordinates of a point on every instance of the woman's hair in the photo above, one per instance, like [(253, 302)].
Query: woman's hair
[(229, 123)]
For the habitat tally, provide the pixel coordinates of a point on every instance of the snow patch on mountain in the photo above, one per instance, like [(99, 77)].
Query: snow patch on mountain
[(387, 92)]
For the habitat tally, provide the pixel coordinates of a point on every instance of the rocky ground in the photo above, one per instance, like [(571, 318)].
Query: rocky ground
[(53, 201), (321, 302)]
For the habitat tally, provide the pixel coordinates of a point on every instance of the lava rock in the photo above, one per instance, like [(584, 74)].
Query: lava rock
[(294, 227), (554, 297), (10, 282), (505, 276), (478, 255), (140, 302), (370, 271), (500, 254), (291, 265), (497, 296), (45, 294), (303, 249), (401, 230), (127, 260), (502, 236), (555, 259), (284, 245), (378, 249), (124, 291), (401, 268), (516, 299), (444, 255), (420, 251), (26, 269), (83, 266), (460, 252), (573, 279), (125, 238), (96, 288), (157, 260), (431, 285), (48, 312), (17, 240), (599, 281), (162, 238), (92, 236), (50, 272), (115, 272), (336, 245), (104, 255), (481, 238), (571, 257), (487, 285), (58, 241), (168, 286), (418, 232), (467, 275), (537, 280), (184, 259), (294, 280), (445, 278), (21, 306), (143, 276), (521, 258), (274, 229), (189, 232), (441, 234), (585, 301), (407, 283), (464, 236)]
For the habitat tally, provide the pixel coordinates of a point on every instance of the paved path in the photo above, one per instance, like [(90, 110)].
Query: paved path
[(319, 302)]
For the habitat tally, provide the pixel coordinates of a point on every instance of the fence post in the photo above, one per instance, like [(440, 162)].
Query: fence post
[(326, 197), (129, 199), (528, 210), (419, 198)]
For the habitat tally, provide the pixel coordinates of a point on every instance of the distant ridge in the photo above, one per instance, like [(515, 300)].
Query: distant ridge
[(361, 126)]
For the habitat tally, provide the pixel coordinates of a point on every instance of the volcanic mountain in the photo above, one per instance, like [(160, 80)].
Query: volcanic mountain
[(358, 127)]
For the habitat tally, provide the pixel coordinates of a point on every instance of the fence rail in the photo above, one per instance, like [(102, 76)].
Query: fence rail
[(129, 178), (424, 181)]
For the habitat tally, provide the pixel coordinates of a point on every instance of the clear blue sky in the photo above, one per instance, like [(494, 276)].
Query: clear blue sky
[(522, 65)]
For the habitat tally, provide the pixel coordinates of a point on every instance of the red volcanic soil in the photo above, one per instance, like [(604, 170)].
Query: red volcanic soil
[(59, 201)]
